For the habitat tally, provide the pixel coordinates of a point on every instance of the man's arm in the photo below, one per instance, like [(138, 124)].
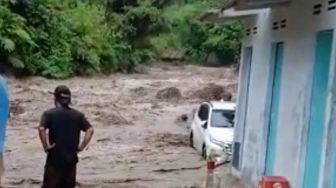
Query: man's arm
[(88, 129), (87, 138), (43, 134)]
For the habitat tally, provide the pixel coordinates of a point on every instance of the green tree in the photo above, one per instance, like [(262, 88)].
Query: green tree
[(59, 39)]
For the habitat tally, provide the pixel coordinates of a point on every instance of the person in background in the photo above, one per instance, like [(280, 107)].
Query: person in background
[(62, 143), (4, 115)]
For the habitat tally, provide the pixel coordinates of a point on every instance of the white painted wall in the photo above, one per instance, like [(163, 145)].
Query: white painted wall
[(299, 39), (255, 111)]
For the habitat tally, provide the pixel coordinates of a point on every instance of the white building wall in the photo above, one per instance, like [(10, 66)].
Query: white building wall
[(256, 109), (299, 40)]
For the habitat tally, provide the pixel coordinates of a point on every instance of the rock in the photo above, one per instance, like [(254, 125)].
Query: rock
[(169, 93), (213, 92), (140, 91), (141, 69), (172, 55)]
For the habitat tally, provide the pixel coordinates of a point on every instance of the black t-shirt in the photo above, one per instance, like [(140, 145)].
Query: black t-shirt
[(64, 126)]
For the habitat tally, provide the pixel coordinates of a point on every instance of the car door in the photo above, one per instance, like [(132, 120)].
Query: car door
[(202, 116), (195, 130)]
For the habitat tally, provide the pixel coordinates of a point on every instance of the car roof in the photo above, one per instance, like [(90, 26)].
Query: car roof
[(223, 105)]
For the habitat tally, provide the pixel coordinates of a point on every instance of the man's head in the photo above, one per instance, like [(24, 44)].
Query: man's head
[(62, 95)]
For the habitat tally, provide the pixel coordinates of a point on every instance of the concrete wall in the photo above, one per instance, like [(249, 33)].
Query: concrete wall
[(299, 40)]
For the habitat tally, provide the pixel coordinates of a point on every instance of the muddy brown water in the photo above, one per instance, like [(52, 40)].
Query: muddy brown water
[(139, 140)]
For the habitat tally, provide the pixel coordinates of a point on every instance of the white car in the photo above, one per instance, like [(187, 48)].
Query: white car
[(212, 130)]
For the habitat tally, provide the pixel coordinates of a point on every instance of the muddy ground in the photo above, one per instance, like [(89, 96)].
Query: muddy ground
[(139, 140)]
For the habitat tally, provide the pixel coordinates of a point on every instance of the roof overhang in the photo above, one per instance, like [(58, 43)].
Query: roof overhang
[(240, 9), (259, 4), (217, 15), (230, 14)]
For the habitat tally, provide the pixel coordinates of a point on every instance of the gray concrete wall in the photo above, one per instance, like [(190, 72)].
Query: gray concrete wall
[(299, 39)]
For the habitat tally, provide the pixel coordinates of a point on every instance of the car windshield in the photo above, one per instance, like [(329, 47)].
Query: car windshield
[(222, 118)]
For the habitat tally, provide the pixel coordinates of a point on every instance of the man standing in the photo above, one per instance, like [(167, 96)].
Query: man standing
[(4, 114), (64, 125)]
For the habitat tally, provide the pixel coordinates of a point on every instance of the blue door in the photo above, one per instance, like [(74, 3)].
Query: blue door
[(4, 112), (317, 108), (275, 75), (242, 106)]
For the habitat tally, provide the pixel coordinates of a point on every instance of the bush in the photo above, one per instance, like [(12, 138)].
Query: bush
[(14, 37), (197, 38), (223, 39), (83, 37)]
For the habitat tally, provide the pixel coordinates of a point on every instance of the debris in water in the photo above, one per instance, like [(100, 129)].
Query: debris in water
[(177, 169), (182, 118), (104, 140), (168, 139), (16, 107)]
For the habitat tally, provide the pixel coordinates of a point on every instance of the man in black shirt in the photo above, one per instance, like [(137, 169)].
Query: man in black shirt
[(64, 125)]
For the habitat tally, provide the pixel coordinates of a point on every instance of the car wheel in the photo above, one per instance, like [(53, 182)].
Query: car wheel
[(191, 140), (204, 153)]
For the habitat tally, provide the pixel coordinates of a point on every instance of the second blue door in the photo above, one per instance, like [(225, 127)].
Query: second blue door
[(317, 109), (274, 96)]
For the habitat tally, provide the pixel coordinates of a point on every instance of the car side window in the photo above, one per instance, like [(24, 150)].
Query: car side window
[(203, 112)]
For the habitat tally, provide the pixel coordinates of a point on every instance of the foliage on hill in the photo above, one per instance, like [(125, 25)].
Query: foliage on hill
[(59, 39)]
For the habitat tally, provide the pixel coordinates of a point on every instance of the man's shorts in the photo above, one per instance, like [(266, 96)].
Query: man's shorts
[(56, 177)]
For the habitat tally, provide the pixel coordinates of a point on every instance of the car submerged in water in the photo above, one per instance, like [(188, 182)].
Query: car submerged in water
[(212, 130)]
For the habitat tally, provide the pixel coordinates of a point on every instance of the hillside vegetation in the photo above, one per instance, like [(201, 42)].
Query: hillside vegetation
[(63, 38)]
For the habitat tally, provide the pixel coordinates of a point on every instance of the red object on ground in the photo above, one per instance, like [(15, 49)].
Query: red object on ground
[(273, 182), (210, 165)]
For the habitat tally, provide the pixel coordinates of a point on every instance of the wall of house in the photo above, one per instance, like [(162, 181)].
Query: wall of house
[(299, 39)]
